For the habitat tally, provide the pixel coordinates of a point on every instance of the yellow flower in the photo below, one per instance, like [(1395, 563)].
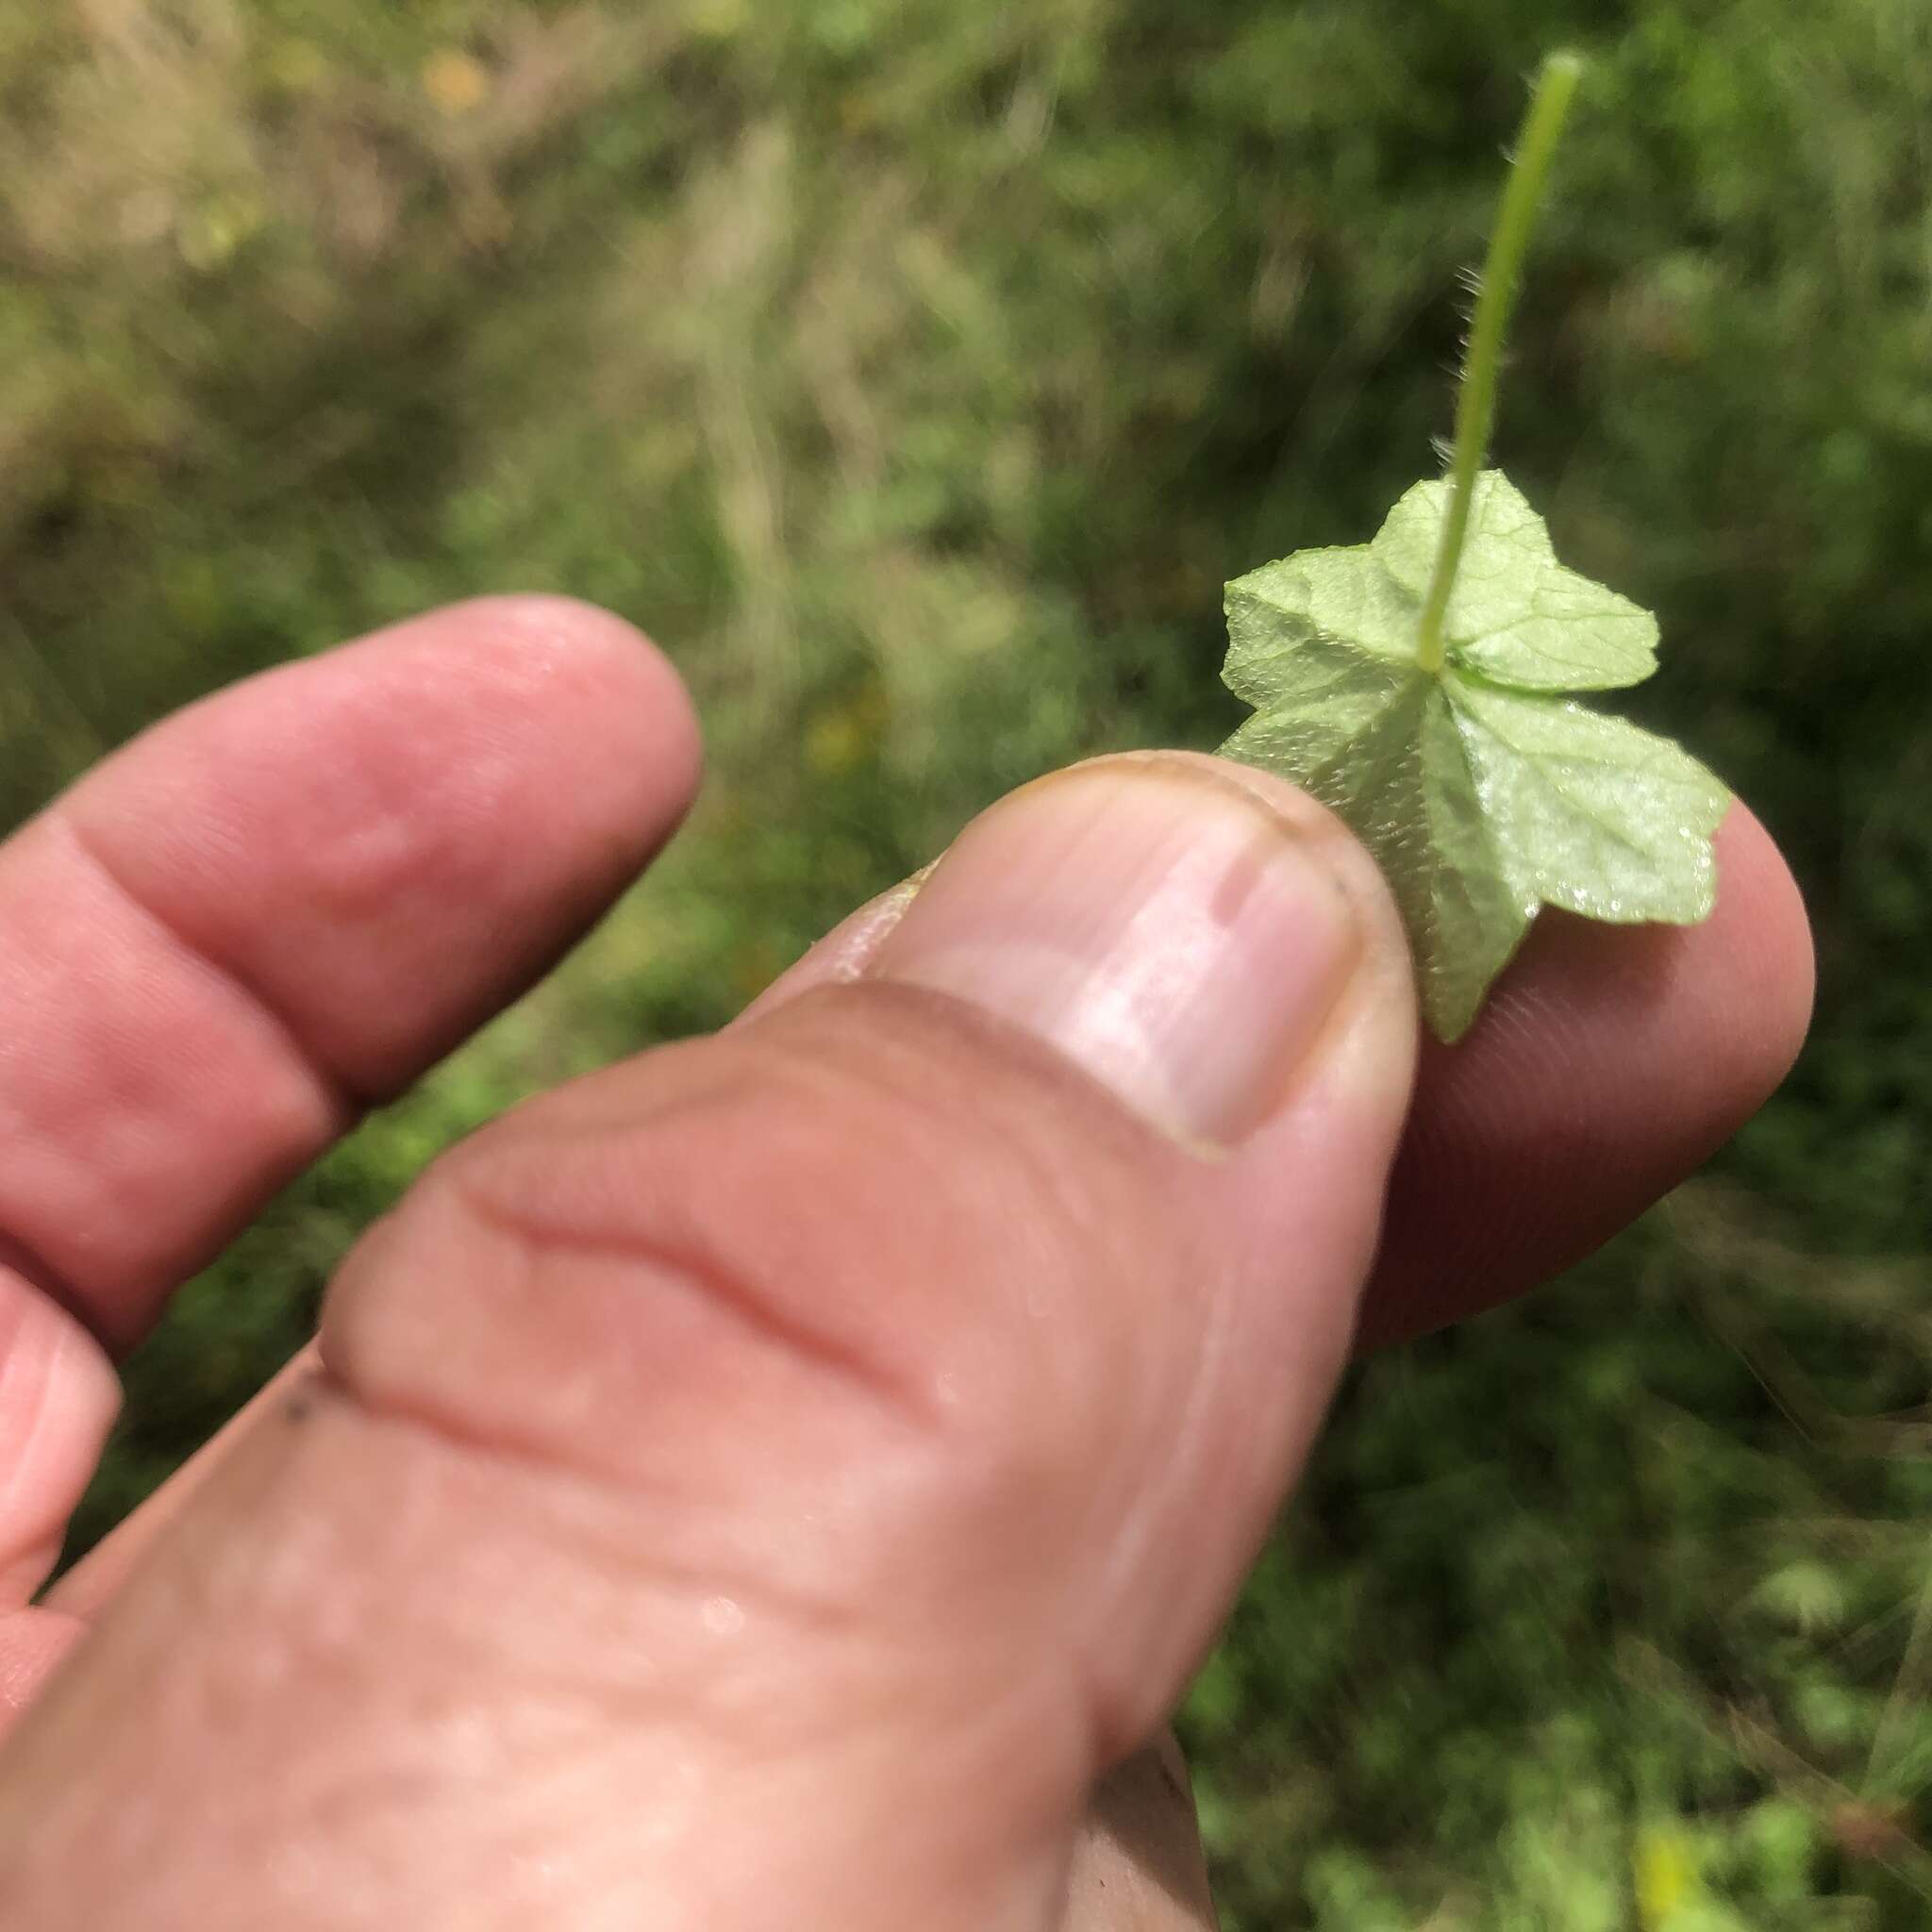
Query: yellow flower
[(1666, 1875), (456, 82)]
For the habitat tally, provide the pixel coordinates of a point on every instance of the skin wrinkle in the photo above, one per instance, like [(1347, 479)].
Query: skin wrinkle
[(887, 1072), (392, 1409), (547, 753), (313, 1107), (343, 1104), (129, 1056), (803, 1610), (659, 1261), (881, 1085), (1024, 1134), (884, 1085)]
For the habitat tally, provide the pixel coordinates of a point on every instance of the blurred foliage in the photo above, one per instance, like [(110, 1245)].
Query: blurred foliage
[(917, 372)]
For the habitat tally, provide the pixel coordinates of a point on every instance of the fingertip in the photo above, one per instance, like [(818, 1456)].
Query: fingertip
[(603, 692), (1714, 1013), (1609, 1063), (475, 784), (607, 656), (1762, 930)]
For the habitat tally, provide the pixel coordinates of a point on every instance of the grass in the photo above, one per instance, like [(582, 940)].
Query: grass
[(917, 372)]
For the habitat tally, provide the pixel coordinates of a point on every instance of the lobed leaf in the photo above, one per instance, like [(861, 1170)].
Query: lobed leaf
[(1483, 790)]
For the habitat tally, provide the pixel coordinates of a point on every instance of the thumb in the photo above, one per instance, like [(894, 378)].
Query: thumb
[(770, 1481)]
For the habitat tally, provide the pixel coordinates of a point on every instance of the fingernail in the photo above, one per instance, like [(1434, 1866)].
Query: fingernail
[(1160, 925)]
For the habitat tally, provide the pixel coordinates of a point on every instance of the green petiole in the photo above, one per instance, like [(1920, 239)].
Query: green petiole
[(1483, 787), (1476, 406)]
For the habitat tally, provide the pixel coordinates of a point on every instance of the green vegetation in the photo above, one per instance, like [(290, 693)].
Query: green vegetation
[(918, 371), (1482, 788), (1417, 686)]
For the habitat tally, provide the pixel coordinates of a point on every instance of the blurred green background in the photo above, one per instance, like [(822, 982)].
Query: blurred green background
[(916, 371)]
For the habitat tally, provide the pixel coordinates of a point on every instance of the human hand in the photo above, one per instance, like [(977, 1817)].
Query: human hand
[(773, 1482)]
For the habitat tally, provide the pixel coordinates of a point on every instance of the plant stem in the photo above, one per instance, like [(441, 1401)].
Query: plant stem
[(1476, 407)]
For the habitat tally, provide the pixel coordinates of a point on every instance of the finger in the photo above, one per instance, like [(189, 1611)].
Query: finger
[(268, 911), (284, 902), (1138, 1863), (1610, 1063), (1717, 1013), (58, 1398), (796, 1466), (840, 957)]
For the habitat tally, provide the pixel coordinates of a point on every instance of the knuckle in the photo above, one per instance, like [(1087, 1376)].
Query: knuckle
[(863, 1232)]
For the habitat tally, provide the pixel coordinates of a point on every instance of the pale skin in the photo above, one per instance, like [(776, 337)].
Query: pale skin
[(787, 1478)]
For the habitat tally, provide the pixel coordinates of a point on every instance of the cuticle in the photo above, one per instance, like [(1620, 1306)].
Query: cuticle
[(1195, 770)]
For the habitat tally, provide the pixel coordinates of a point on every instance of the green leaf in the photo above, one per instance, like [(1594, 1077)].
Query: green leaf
[(1484, 792), (1523, 619)]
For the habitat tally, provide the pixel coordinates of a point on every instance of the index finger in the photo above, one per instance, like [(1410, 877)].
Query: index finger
[(273, 909)]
